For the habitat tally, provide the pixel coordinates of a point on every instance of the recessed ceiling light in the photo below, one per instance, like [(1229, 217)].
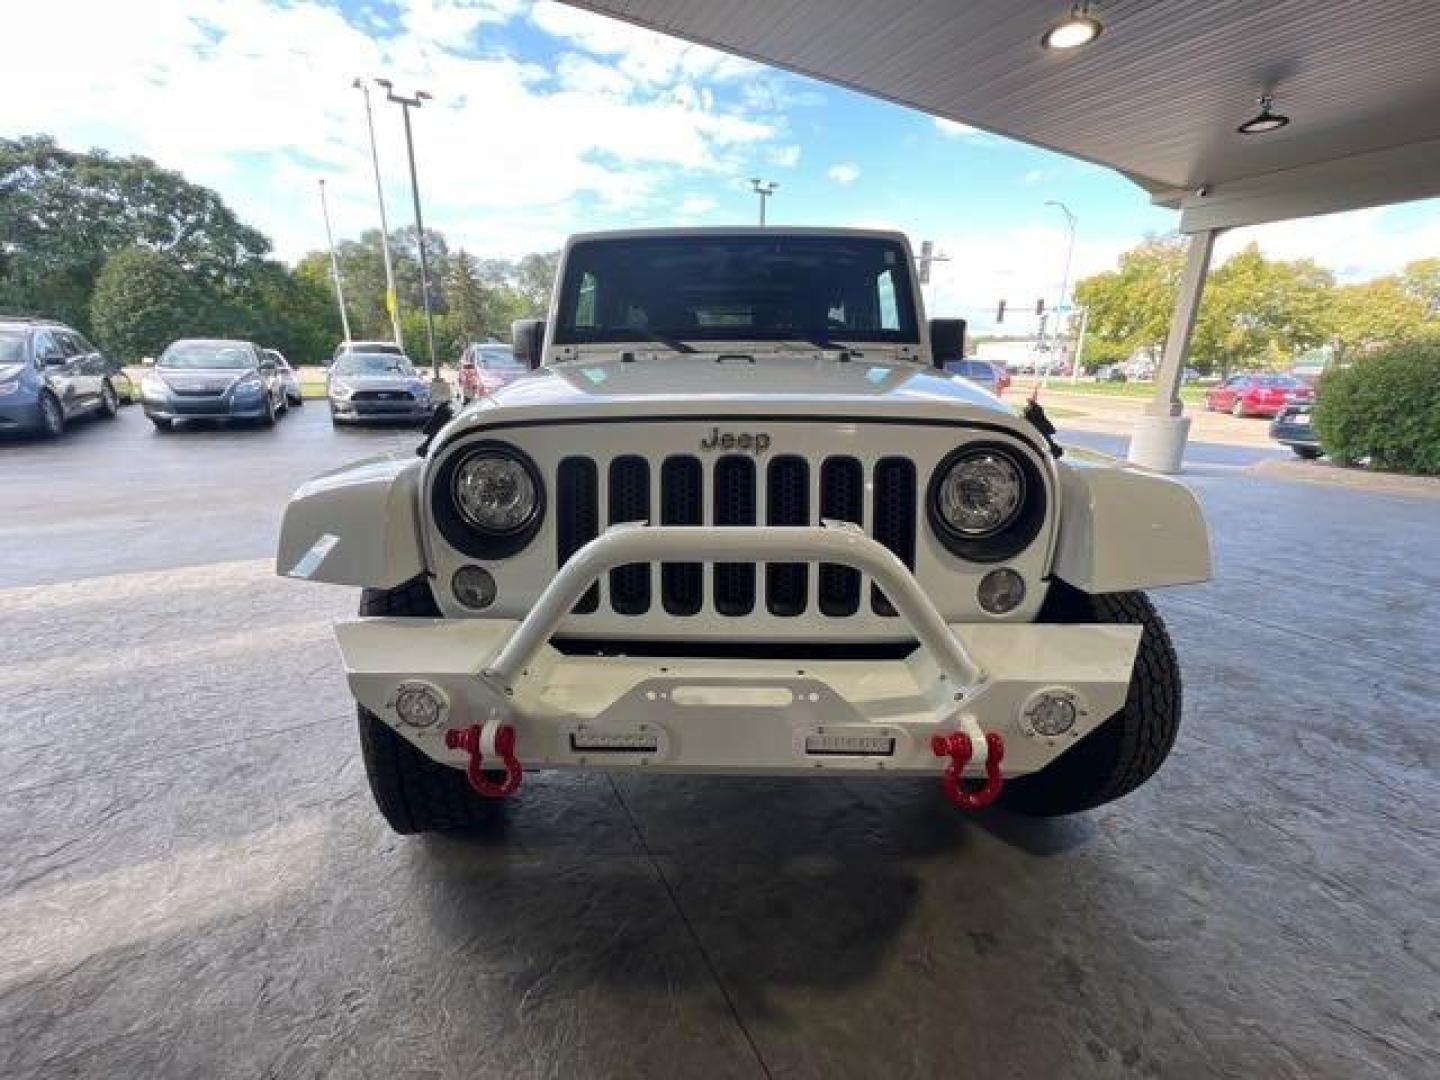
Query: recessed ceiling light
[(1267, 120), (1075, 30)]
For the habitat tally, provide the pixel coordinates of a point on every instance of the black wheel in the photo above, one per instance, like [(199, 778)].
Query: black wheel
[(268, 420), (109, 401), (161, 424), (1127, 749), (52, 416), (1308, 453), (413, 793)]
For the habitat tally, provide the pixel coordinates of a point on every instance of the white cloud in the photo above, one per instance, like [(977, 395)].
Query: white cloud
[(845, 173), (787, 157), (1033, 176), (695, 206), (1357, 245), (254, 99), (953, 129)]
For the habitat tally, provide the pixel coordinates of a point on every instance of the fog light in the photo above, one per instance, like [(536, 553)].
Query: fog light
[(1001, 591), (420, 705), (474, 587), (1050, 713)]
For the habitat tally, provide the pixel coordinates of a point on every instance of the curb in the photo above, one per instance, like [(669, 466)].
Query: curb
[(1322, 472)]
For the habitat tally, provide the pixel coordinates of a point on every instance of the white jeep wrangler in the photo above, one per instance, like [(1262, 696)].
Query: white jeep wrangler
[(739, 520)]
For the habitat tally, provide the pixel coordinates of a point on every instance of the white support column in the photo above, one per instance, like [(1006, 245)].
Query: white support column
[(1158, 441)]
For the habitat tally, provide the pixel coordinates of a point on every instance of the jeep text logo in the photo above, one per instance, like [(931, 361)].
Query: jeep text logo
[(744, 441)]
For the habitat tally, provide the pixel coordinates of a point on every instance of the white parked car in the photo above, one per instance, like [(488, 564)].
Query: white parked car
[(736, 522)]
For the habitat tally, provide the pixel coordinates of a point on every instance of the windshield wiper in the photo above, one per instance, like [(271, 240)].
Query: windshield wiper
[(673, 344)]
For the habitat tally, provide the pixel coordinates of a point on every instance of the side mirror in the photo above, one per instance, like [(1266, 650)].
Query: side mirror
[(947, 341), (268, 367), (528, 336)]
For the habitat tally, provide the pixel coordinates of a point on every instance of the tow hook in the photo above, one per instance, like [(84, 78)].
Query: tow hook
[(958, 748), (496, 740)]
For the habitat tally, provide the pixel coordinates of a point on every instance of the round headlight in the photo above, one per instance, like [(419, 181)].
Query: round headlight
[(982, 492), (495, 492)]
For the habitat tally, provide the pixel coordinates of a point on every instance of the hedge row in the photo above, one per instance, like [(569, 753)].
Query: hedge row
[(1384, 409)]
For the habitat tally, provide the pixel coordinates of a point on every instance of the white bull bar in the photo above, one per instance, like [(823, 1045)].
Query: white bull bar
[(746, 716), (836, 542)]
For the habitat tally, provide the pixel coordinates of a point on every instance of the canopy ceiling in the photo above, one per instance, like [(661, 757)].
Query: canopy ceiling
[(1157, 96)]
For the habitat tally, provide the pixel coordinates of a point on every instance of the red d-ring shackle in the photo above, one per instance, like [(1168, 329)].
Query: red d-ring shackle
[(469, 739), (957, 747)]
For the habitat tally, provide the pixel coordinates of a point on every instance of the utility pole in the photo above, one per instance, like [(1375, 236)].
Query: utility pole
[(1060, 308), (406, 104), (392, 298), (334, 264), (763, 188), (925, 260)]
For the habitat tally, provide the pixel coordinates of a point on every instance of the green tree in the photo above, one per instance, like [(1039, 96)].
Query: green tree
[(63, 214), (466, 298), (1259, 312), (1421, 280), (143, 300), (1373, 314), (1130, 306), (535, 280)]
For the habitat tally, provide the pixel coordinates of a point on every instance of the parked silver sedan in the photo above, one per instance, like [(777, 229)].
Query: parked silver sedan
[(288, 378), (377, 386)]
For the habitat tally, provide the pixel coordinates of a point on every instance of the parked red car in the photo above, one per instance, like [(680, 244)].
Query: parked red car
[(1258, 395), (486, 366)]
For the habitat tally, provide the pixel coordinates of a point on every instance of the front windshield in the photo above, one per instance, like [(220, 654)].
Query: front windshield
[(372, 364), (12, 347), (207, 354), (1278, 382), (737, 288)]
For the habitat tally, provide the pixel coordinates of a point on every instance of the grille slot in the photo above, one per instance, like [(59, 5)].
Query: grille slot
[(682, 502), (577, 491), (787, 502), (734, 505), (630, 501), (894, 518), (842, 498)]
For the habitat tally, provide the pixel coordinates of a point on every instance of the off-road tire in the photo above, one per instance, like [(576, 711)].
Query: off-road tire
[(1307, 453), (413, 793), (1127, 749)]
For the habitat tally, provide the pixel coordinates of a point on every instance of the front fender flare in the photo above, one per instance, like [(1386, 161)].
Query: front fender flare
[(359, 525), (1123, 529)]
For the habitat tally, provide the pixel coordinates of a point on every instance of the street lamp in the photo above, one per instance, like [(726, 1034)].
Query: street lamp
[(1060, 308), (406, 104), (763, 188), (392, 298), (334, 263)]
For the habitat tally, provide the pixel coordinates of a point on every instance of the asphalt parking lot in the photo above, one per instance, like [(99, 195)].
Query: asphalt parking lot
[(194, 881)]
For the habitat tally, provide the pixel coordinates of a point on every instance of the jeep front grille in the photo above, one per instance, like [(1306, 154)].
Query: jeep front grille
[(726, 491)]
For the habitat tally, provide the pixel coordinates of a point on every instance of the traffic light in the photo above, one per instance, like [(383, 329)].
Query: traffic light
[(1000, 312)]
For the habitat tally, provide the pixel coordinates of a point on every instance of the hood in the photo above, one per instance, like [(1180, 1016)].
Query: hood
[(202, 380), (708, 384), (381, 382)]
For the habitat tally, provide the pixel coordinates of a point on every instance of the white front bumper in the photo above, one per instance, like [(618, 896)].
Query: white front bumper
[(740, 716), (748, 716)]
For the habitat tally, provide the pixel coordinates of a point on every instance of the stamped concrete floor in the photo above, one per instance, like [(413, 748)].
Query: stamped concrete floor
[(195, 883)]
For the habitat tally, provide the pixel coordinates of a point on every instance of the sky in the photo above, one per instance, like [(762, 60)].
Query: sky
[(547, 120)]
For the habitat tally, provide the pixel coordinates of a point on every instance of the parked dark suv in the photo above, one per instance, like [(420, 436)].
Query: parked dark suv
[(49, 375)]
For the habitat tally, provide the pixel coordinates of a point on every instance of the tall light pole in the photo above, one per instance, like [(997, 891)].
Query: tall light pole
[(763, 188), (406, 104), (392, 298), (1060, 308), (334, 264)]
